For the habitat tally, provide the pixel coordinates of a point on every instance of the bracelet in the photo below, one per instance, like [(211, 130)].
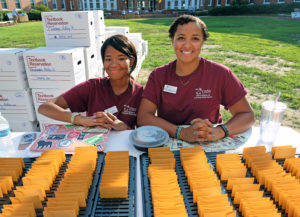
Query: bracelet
[(177, 132), (225, 129), (73, 115)]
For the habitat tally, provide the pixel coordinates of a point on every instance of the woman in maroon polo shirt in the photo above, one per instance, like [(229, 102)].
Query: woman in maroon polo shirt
[(190, 90), (109, 102)]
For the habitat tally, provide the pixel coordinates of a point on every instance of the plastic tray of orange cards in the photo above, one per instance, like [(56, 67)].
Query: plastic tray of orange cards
[(185, 189), (118, 207), (86, 211)]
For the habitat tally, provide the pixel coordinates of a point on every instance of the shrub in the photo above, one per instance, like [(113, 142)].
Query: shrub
[(201, 13), (42, 8), (34, 15), (3, 16), (253, 9)]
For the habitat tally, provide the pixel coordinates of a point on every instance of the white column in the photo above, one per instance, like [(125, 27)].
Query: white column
[(115, 4), (186, 4), (101, 4), (172, 4), (108, 5), (179, 4), (94, 5), (166, 4), (88, 4)]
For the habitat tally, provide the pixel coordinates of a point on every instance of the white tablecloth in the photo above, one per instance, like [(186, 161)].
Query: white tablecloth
[(120, 141)]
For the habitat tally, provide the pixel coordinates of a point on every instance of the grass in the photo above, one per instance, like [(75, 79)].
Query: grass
[(254, 36)]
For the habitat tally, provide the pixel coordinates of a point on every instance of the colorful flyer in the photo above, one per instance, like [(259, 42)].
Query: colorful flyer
[(68, 137)]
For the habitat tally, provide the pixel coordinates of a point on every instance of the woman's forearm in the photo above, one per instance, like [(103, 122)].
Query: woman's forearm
[(240, 122), (54, 111)]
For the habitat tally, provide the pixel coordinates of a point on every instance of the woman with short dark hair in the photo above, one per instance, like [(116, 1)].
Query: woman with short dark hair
[(190, 90), (109, 102)]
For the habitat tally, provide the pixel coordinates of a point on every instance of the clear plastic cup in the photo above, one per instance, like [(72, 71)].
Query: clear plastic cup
[(270, 121)]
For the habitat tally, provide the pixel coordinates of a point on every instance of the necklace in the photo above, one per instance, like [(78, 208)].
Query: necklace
[(188, 81)]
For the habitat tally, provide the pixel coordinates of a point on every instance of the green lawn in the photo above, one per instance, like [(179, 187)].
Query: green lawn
[(276, 42)]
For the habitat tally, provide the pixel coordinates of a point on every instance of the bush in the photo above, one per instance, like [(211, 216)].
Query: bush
[(34, 15), (201, 13), (42, 8), (3, 16), (253, 9)]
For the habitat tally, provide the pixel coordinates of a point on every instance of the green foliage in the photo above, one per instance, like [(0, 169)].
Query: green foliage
[(242, 9), (42, 8), (34, 15), (3, 16)]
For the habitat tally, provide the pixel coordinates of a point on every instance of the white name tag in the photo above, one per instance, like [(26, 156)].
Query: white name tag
[(112, 110), (170, 89)]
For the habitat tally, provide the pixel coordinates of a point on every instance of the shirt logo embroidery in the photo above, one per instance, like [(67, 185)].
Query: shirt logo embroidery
[(202, 94), (128, 110)]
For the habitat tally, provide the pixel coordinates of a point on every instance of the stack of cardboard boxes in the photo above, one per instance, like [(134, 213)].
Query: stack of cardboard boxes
[(15, 96), (72, 55)]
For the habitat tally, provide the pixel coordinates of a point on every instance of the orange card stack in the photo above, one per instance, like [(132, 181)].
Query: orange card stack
[(37, 179), (285, 188), (283, 152), (204, 184), (73, 188), (293, 166), (243, 190), (10, 171), (165, 191), (115, 176)]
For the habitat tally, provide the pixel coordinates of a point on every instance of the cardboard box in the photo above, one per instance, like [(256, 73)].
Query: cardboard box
[(120, 30), (24, 126), (71, 28), (91, 63), (99, 42), (40, 96), (99, 22), (17, 105), (55, 67), (12, 69)]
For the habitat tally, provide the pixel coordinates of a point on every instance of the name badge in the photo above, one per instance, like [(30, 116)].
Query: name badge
[(170, 89), (112, 110)]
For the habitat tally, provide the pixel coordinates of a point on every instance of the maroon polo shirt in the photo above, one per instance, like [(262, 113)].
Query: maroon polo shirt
[(96, 95), (198, 95)]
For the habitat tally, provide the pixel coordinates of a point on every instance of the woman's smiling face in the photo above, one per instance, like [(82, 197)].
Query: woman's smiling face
[(187, 42)]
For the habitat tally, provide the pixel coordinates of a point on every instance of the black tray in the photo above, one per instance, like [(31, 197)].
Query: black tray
[(118, 207), (185, 189), (86, 211)]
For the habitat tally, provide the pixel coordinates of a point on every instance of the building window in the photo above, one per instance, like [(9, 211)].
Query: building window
[(72, 5), (169, 4), (32, 3), (209, 2), (297, 0), (219, 2), (79, 2), (54, 4), (4, 4), (98, 4), (267, 2), (227, 2), (281, 1), (45, 2), (91, 5), (63, 4), (18, 4)]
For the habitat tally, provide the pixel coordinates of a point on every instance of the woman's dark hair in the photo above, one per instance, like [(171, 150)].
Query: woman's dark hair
[(122, 44), (184, 19)]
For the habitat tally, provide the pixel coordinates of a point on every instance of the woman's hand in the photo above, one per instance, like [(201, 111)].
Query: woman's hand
[(102, 119), (118, 124), (201, 130)]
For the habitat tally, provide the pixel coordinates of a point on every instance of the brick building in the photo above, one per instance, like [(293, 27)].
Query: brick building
[(127, 5)]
